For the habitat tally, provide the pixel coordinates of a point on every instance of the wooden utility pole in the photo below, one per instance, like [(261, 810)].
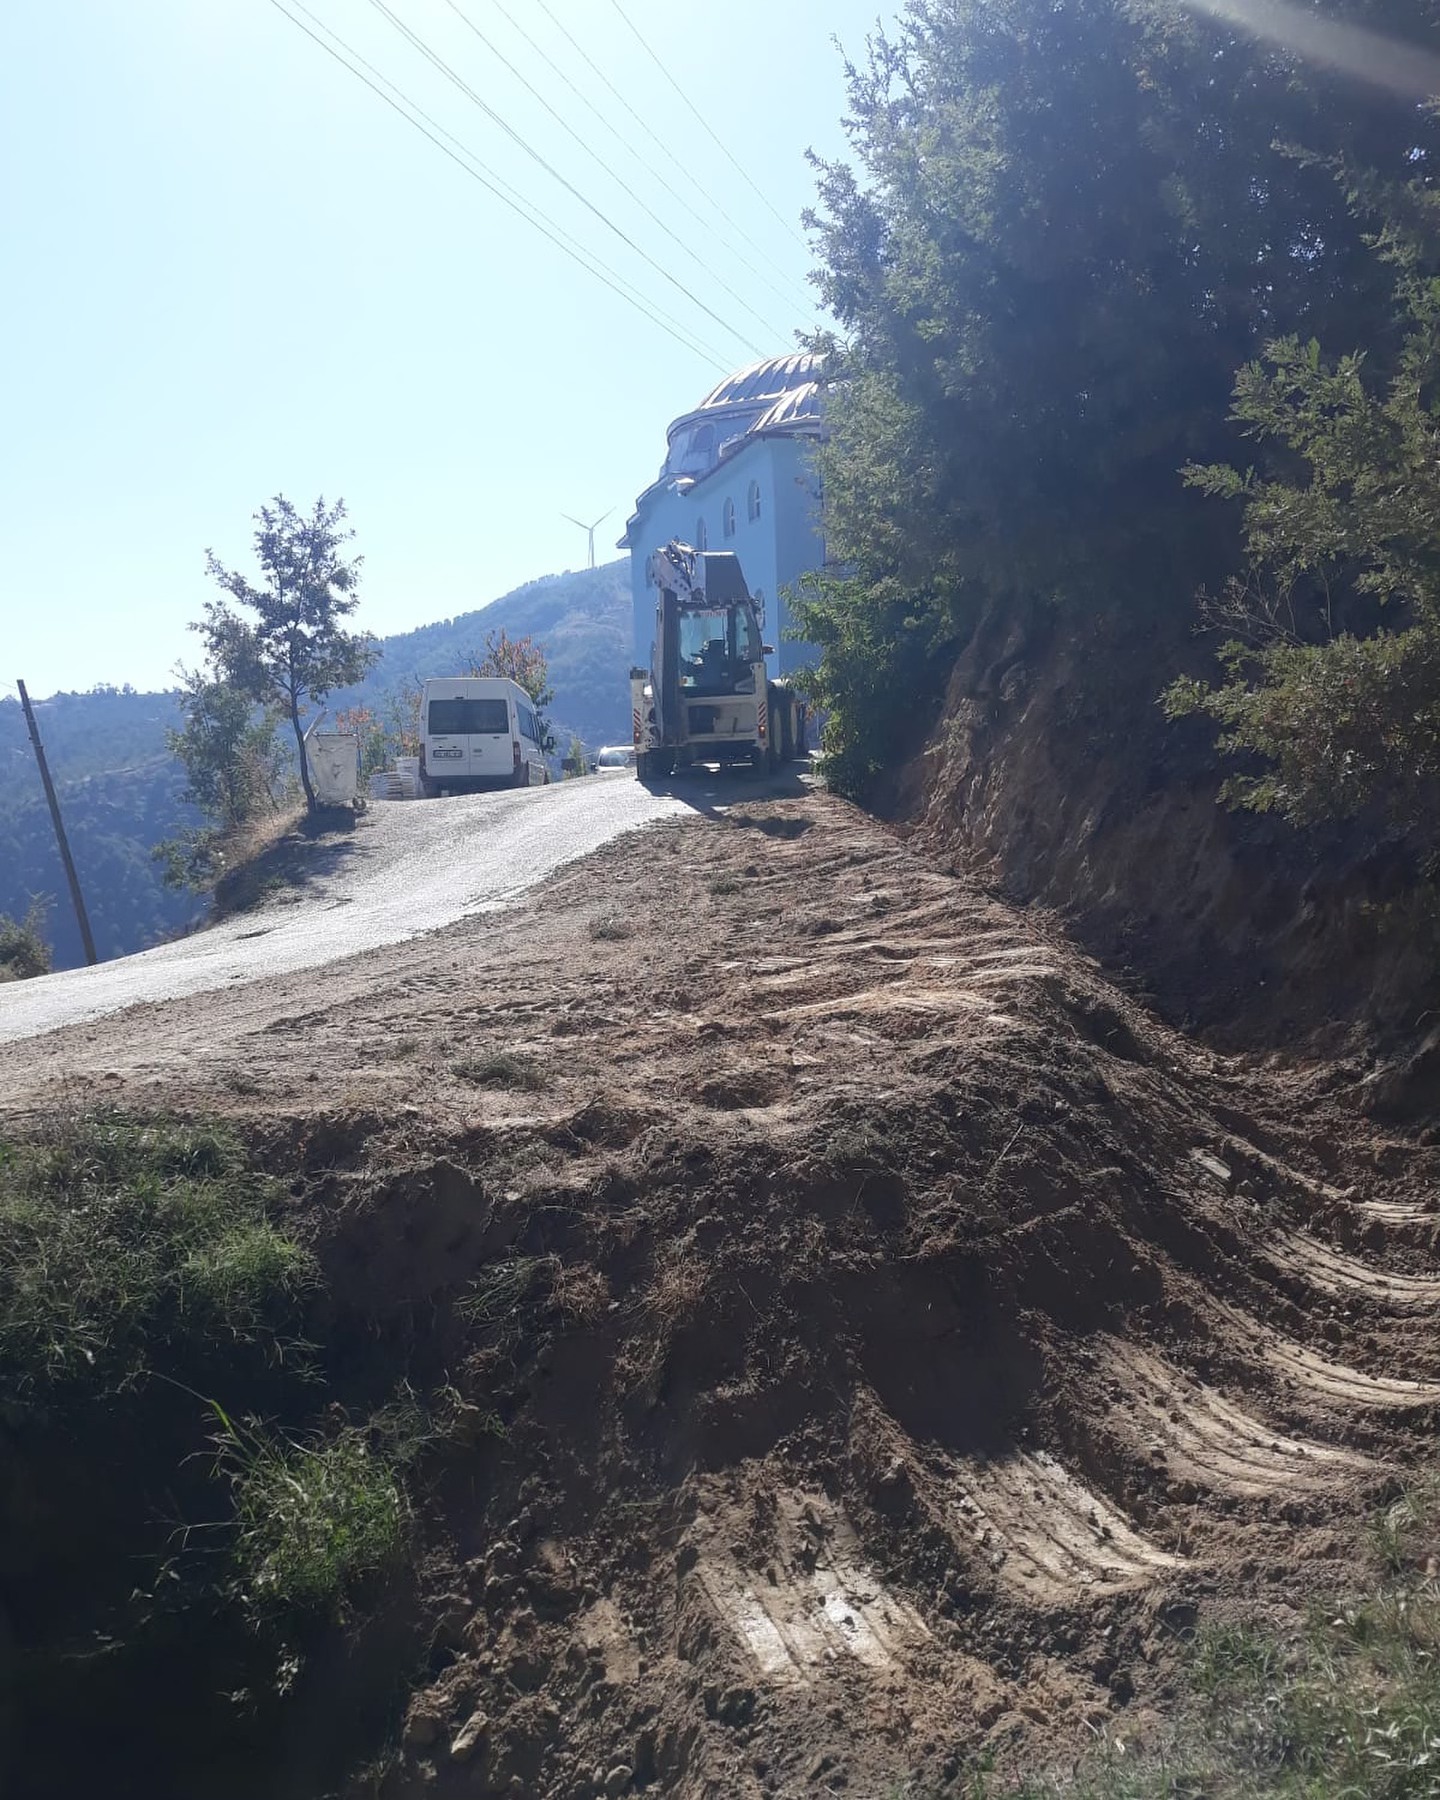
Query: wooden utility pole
[(82, 917)]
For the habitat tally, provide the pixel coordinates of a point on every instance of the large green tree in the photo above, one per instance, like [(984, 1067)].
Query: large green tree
[(288, 646), (1061, 230)]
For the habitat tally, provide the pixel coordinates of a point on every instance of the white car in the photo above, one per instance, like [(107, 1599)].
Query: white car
[(615, 756)]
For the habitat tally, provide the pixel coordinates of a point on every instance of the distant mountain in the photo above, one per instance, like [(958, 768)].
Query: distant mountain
[(120, 788), (581, 620)]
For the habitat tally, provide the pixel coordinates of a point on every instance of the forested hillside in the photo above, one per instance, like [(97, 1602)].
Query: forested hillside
[(122, 790), (121, 793), (582, 622)]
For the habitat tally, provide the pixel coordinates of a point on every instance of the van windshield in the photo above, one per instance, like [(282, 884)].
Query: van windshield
[(468, 718)]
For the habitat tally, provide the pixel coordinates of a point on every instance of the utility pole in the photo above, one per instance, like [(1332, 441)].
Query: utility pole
[(81, 916), (589, 530)]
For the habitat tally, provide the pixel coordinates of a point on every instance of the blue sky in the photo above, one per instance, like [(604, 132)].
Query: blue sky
[(232, 271)]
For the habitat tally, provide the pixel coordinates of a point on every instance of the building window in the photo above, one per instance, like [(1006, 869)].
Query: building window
[(752, 504), (702, 537), (728, 518), (703, 442)]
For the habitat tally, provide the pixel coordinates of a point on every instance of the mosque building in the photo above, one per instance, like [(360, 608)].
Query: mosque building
[(738, 475)]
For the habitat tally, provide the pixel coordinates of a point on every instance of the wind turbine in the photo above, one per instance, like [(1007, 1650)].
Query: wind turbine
[(589, 530)]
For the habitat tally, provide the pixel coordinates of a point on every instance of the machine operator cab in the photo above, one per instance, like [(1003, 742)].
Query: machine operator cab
[(719, 649)]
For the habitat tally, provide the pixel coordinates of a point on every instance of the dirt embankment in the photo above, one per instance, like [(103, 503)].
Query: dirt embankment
[(1054, 777), (877, 1340)]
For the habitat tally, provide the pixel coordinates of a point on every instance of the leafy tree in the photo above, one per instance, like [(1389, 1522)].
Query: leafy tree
[(402, 717), (233, 769), (23, 950), (227, 746), (521, 660), (294, 649), (1331, 695), (371, 732), (576, 761), (1063, 229)]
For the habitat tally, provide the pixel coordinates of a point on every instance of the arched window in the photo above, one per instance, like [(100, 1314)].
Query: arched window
[(752, 504), (702, 537), (728, 518), (703, 442)]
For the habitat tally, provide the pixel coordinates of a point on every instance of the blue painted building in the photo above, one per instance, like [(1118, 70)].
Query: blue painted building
[(738, 476)]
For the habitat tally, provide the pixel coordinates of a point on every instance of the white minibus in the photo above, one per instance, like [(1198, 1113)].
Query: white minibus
[(478, 731)]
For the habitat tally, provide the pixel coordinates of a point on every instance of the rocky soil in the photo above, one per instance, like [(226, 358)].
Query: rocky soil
[(875, 1340)]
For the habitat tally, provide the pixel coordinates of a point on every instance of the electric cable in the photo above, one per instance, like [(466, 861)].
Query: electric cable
[(495, 184), (523, 143), (703, 121), (649, 129), (618, 179), (686, 200)]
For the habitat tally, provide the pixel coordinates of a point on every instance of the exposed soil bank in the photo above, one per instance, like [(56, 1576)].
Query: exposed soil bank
[(1053, 776), (872, 1339)]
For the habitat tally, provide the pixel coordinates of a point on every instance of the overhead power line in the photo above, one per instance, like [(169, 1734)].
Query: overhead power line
[(645, 45), (535, 155), (565, 125), (694, 188), (465, 159)]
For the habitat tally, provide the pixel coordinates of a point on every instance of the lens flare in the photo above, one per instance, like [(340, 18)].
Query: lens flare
[(1402, 69)]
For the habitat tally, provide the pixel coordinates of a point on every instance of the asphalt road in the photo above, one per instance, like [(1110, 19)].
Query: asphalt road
[(410, 867)]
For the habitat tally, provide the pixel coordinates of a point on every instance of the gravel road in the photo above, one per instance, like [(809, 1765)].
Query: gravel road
[(409, 868)]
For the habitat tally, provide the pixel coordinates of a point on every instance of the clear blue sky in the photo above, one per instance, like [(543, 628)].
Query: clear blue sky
[(231, 271)]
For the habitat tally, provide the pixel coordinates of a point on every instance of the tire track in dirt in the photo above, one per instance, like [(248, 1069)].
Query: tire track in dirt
[(916, 1333)]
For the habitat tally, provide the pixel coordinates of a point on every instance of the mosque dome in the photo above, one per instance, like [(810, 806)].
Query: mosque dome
[(779, 396)]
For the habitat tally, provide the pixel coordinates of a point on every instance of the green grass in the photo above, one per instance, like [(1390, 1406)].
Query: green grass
[(314, 1519), (503, 1069), (131, 1247), (1348, 1705)]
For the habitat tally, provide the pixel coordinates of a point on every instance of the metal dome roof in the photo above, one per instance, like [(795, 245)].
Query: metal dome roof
[(765, 380), (780, 396)]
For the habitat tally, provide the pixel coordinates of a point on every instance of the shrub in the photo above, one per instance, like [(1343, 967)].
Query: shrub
[(23, 950), (313, 1519)]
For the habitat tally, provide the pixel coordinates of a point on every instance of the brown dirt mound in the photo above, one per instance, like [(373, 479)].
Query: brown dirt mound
[(888, 1340)]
